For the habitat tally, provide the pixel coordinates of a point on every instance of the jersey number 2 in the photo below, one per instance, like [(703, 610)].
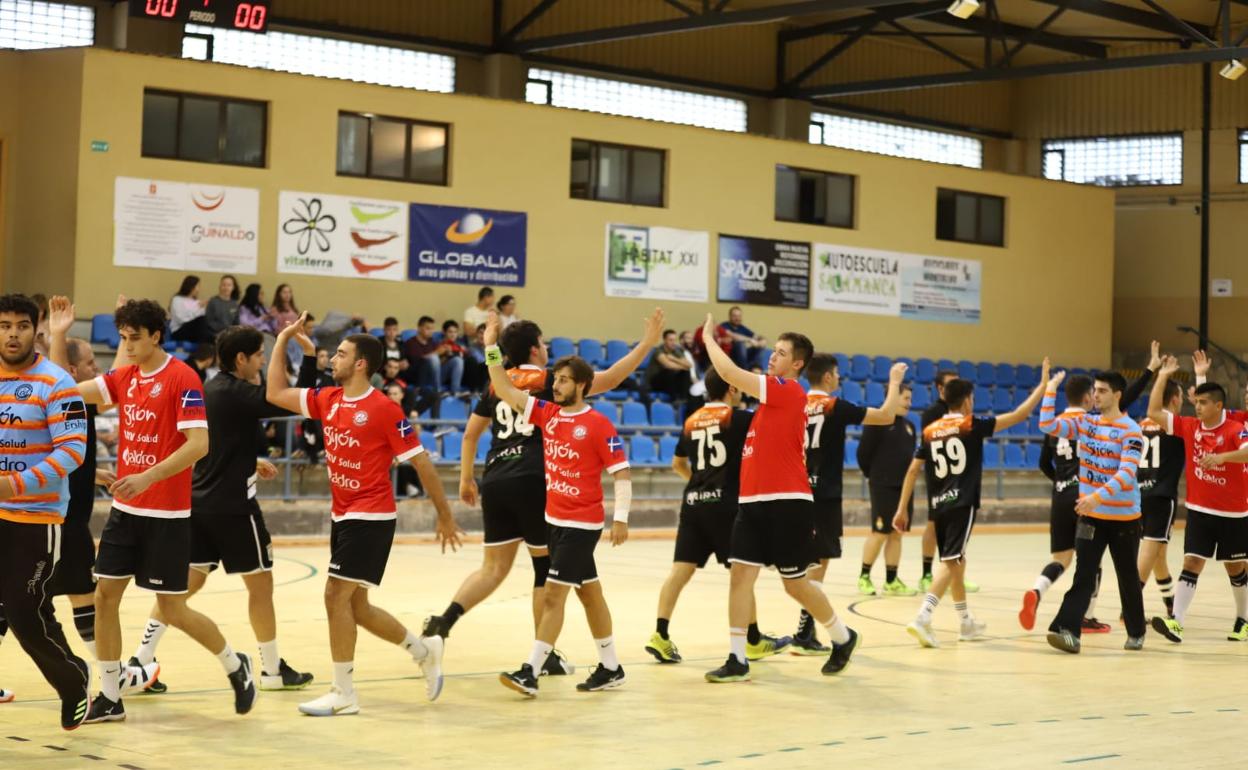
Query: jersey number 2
[(707, 442), (950, 457)]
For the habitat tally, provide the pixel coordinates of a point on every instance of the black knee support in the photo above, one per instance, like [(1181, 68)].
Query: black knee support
[(541, 568)]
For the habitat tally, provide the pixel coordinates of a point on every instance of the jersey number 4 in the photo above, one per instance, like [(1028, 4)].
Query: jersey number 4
[(1065, 449), (1152, 453), (509, 422), (949, 455), (711, 451)]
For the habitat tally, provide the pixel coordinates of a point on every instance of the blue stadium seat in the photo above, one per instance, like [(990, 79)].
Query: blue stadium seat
[(916, 419), (104, 331), (407, 334), (608, 409), (992, 456), (662, 414), (966, 370), (616, 349), (851, 392), (805, 383), (1033, 454), (619, 394), (1002, 401), (875, 394), (985, 373), (945, 365), (983, 399), (1033, 426), (842, 363), (452, 446), (634, 415), (483, 445), (590, 350), (921, 396), (851, 453), (1015, 457), (1005, 375), (560, 347), (667, 448), (859, 368), (1026, 375), (641, 451), (377, 331), (453, 408), (879, 368)]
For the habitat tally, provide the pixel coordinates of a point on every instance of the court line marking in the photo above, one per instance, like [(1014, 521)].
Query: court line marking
[(1089, 759)]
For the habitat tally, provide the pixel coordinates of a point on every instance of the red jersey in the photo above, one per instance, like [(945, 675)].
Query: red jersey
[(363, 437), (153, 409), (1223, 489), (578, 447), (773, 464)]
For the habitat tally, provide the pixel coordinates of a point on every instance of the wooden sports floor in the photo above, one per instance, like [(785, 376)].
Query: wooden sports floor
[(1009, 701)]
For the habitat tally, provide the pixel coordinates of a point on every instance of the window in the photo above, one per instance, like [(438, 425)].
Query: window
[(616, 97), (970, 217), (392, 148), (896, 140), (1243, 157), (1125, 161), (25, 24), (209, 129), (617, 173), (323, 57), (814, 197)]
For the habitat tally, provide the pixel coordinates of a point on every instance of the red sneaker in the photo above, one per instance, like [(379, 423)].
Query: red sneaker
[(1094, 626), (1027, 615)]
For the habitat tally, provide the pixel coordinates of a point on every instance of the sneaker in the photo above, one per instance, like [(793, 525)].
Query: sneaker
[(1027, 615), (104, 710), (972, 630), (838, 661), (6, 696), (557, 664), (923, 633), (767, 646), (865, 586), (1134, 643), (898, 588), (332, 704), (603, 678), (970, 585), (431, 666), (244, 685), (286, 678), (74, 710), (1169, 628), (1240, 632), (733, 670), (1094, 626), (1064, 640), (435, 625), (663, 650), (137, 676), (521, 681), (806, 645), (925, 583)]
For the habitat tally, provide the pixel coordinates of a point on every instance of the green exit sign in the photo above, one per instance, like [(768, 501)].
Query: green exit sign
[(99, 145)]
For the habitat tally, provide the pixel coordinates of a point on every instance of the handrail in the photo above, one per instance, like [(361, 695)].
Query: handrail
[(1208, 341)]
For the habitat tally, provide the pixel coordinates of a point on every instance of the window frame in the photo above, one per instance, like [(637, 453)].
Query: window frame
[(819, 119), (222, 103), (979, 211), (1110, 137), (853, 196), (372, 118), (631, 149)]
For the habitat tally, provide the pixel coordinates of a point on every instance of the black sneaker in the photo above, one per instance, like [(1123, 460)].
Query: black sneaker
[(104, 710), (557, 665), (808, 645), (244, 685), (838, 661), (733, 670), (286, 678), (74, 709), (140, 679), (522, 681), (603, 678), (1064, 640)]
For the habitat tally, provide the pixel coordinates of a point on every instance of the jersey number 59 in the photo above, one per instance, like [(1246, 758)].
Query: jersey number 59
[(949, 455)]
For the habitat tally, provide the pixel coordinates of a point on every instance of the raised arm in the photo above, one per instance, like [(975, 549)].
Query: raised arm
[(891, 409), (1024, 410), (477, 425), (447, 531), (1050, 422), (1157, 398), (746, 382), (503, 388), (1140, 385), (191, 452), (276, 387), (60, 320), (611, 378), (901, 519)]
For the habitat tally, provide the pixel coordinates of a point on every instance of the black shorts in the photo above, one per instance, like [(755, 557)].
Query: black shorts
[(240, 543), (572, 555), (1158, 515), (155, 552), (704, 530), (75, 571), (1215, 537), (359, 550), (884, 506), (515, 510), (829, 526), (953, 531), (776, 533), (1062, 521)]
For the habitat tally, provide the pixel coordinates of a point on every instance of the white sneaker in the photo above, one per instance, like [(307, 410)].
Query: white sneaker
[(972, 630), (923, 633), (332, 704), (134, 677), (6, 696), (431, 665)]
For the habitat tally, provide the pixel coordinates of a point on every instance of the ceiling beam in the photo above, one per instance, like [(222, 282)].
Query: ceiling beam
[(891, 13), (1123, 13)]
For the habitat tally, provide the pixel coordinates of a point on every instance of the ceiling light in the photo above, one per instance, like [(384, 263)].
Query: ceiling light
[(1233, 69), (963, 9)]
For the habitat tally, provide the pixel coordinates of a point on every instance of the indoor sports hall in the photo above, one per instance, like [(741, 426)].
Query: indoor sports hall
[(990, 247)]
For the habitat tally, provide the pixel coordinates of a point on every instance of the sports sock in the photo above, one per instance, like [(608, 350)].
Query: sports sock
[(805, 625), (606, 653), (538, 655), (753, 635), (1183, 594), (928, 607), (229, 661), (963, 612), (110, 679), (414, 646), (84, 622), (736, 638), (866, 570), (660, 626), (453, 612), (837, 630), (1048, 576), (890, 573), (1166, 586), (151, 637), (927, 565), (343, 678), (1096, 591), (270, 661), (1239, 588)]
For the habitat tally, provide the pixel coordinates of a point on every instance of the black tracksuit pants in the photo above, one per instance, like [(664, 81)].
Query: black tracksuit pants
[(1122, 538)]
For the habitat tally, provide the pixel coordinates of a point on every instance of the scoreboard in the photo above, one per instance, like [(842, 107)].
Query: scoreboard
[(252, 16)]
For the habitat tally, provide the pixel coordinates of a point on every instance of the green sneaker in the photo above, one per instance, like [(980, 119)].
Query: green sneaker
[(767, 646), (898, 588), (865, 586), (925, 583), (970, 585), (664, 650), (1240, 632), (733, 670), (1169, 628)]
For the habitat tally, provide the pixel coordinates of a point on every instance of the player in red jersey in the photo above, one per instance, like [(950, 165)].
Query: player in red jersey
[(365, 433), (164, 431), (579, 443), (775, 523), (1217, 498)]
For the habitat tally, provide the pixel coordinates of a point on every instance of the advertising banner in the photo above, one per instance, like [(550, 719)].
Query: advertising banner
[(185, 227), (851, 279), (451, 244), (758, 271), (341, 237), (657, 263)]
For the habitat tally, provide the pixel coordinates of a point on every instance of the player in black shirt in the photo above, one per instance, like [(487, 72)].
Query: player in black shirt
[(1161, 469), (932, 413), (884, 454), (227, 526), (513, 486)]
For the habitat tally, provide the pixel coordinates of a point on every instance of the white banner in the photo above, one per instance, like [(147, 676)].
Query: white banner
[(657, 263), (851, 279), (342, 237), (185, 227)]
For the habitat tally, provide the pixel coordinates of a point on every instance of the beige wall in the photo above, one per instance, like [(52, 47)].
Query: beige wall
[(515, 156)]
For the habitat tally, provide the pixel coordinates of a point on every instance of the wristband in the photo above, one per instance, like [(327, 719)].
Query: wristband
[(493, 356), (623, 500)]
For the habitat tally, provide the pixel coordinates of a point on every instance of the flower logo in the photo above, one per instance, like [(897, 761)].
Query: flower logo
[(310, 225)]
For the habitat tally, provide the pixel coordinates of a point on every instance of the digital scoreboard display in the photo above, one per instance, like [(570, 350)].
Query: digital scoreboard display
[(231, 14)]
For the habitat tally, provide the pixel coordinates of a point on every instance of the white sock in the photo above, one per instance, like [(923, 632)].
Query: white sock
[(1184, 592), (270, 661), (606, 653), (90, 648), (151, 637), (963, 612), (342, 677), (929, 606), (736, 637), (1042, 584), (229, 661), (415, 647), (1241, 600), (837, 630), (538, 656), (110, 684)]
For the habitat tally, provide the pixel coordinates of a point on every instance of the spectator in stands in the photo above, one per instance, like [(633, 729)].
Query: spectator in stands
[(222, 311), (700, 356), (476, 315), (390, 375), (325, 372), (284, 311), (476, 373), (330, 332), (747, 347), (507, 314), (187, 322), (669, 370), (435, 365), (204, 360), (391, 345), (252, 311)]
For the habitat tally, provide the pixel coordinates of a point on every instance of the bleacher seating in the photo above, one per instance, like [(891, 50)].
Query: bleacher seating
[(852, 392), (452, 408), (859, 368), (560, 347), (1033, 455), (609, 410), (483, 445), (1005, 375), (851, 453), (452, 446), (407, 334), (921, 396), (992, 456), (1015, 456), (879, 368), (966, 370), (633, 414), (875, 394), (641, 451), (1002, 400), (616, 349), (104, 331), (663, 415), (590, 350), (924, 371)]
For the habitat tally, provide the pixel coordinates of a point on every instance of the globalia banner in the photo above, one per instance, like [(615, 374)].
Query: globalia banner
[(452, 244), (759, 271)]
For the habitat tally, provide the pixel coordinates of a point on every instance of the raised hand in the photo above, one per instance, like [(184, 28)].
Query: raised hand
[(1046, 366), (1169, 365), (897, 372), (1056, 379), (492, 324), (1201, 363), (653, 328), (708, 331), (60, 315), (1154, 359)]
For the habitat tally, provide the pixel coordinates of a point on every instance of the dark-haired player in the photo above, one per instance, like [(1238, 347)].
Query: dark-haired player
[(365, 433), (953, 452), (1161, 470), (932, 413)]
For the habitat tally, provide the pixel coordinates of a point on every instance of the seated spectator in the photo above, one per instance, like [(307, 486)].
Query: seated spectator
[(669, 370), (222, 311), (507, 314), (253, 312), (476, 373), (324, 371), (204, 360), (747, 347), (391, 345), (334, 328), (476, 315), (285, 312), (700, 356), (406, 482), (436, 364), (186, 313), (390, 375)]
